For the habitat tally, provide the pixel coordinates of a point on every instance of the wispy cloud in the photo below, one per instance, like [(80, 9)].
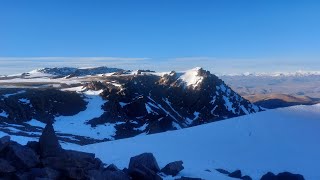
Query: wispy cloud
[(59, 58)]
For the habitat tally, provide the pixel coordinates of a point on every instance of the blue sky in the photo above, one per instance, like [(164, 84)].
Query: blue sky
[(244, 34)]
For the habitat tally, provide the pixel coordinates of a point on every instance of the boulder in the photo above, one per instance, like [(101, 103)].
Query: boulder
[(173, 168), (4, 142), (282, 176), (143, 161), (5, 167), (22, 157), (144, 167), (48, 143), (236, 174)]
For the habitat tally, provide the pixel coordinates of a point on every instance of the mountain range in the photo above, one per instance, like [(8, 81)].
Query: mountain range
[(89, 105)]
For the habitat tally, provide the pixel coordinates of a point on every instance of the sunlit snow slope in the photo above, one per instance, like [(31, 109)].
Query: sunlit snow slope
[(275, 140)]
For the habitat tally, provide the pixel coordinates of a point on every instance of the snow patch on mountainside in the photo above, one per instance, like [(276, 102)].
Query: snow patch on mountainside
[(275, 140), (77, 124)]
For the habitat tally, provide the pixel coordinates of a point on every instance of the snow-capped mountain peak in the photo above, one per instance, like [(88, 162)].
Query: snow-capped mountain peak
[(192, 77)]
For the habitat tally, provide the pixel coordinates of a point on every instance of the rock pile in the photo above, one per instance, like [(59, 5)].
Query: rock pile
[(47, 160)]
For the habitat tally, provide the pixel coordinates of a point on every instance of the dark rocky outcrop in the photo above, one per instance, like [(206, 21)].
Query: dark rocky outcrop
[(146, 160), (48, 143), (282, 176), (173, 168)]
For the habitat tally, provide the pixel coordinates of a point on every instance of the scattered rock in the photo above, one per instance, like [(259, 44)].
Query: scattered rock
[(173, 168), (236, 174), (282, 176)]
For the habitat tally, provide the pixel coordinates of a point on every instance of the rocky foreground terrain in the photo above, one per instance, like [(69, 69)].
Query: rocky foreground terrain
[(102, 104), (46, 159)]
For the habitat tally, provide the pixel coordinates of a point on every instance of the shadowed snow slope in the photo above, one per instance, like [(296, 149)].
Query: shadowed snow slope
[(275, 140)]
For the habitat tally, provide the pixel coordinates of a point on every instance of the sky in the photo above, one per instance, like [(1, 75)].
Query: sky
[(228, 36)]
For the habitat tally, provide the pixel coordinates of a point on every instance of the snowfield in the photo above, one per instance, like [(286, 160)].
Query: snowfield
[(275, 140)]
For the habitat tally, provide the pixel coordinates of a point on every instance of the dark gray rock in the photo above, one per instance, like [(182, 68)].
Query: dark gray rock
[(236, 174), (48, 142), (22, 157), (4, 142), (282, 176), (142, 161), (5, 167), (144, 167), (173, 168)]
